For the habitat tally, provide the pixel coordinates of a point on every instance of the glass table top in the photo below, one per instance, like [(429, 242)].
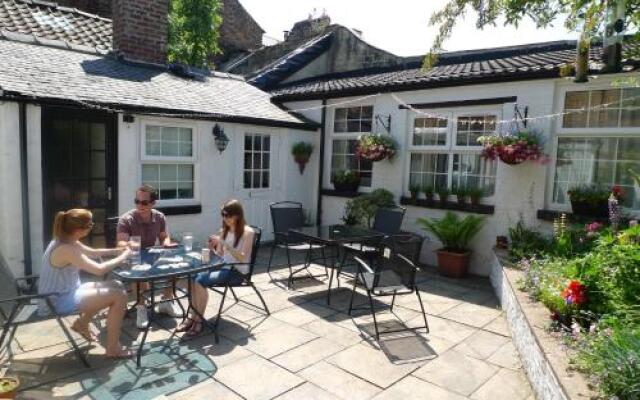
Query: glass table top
[(337, 233)]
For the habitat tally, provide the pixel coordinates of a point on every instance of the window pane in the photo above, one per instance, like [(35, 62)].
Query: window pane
[(186, 149), (153, 148), (578, 100), (257, 142), (631, 108), (168, 173), (185, 173), (353, 126), (341, 114), (170, 134), (257, 163), (248, 142), (340, 126), (265, 161), (365, 126), (168, 191), (153, 132), (353, 113), (185, 135), (170, 149), (367, 112), (150, 173), (247, 161), (266, 143), (430, 132), (247, 180), (265, 179)]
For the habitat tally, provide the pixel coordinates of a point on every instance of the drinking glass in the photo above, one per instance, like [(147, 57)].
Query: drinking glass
[(135, 243), (187, 240)]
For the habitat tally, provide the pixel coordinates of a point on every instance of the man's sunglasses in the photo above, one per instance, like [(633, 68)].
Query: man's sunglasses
[(142, 202)]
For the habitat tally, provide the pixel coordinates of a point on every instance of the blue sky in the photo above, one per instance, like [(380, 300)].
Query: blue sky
[(399, 26)]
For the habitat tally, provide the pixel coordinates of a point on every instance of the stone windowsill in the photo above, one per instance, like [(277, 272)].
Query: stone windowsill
[(338, 193), (470, 208)]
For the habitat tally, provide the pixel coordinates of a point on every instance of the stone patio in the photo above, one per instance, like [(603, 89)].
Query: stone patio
[(304, 350)]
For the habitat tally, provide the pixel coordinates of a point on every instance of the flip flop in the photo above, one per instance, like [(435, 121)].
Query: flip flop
[(186, 326), (124, 354), (194, 332)]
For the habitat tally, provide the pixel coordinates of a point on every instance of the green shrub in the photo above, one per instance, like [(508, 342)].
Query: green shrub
[(526, 242), (362, 209)]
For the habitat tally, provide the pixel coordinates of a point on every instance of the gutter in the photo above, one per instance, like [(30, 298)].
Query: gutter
[(321, 161), (24, 174)]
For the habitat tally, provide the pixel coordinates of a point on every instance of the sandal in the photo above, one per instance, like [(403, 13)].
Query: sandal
[(85, 332), (195, 330), (123, 355), (186, 325)]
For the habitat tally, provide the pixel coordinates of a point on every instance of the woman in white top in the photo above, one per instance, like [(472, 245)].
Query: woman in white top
[(62, 262), (233, 244)]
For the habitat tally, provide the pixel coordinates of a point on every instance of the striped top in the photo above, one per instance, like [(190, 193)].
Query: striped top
[(65, 280)]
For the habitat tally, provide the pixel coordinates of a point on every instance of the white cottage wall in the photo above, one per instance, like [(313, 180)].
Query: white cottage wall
[(520, 190)]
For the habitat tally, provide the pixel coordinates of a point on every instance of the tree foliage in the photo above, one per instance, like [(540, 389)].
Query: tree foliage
[(194, 28), (587, 16)]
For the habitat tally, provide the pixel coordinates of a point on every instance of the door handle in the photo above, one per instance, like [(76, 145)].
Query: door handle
[(109, 193)]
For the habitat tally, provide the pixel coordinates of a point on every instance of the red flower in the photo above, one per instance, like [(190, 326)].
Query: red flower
[(617, 192), (575, 293)]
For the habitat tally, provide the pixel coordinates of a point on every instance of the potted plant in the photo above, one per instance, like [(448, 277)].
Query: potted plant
[(8, 387), (428, 193), (592, 200), (362, 209), (301, 152), (414, 189), (443, 195), (461, 195), (375, 147), (475, 195), (514, 148), (346, 181), (454, 234)]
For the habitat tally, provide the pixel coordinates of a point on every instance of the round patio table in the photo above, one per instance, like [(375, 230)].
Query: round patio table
[(166, 264)]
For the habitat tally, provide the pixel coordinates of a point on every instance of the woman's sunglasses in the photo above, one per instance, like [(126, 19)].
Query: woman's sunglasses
[(142, 202), (225, 214)]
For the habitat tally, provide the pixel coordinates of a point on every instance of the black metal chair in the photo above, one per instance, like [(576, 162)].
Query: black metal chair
[(392, 273), (244, 280), (23, 310), (287, 215), (387, 221)]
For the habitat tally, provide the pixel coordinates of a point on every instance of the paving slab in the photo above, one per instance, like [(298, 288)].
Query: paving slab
[(505, 385), (307, 391), (481, 344), (276, 341), (308, 354), (414, 388), (339, 382)]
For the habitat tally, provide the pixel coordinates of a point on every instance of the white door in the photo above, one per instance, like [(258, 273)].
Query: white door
[(257, 180)]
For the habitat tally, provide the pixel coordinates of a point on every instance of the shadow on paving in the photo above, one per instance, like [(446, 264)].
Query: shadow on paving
[(167, 366)]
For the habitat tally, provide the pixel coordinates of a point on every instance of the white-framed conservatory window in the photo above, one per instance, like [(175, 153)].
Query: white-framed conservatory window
[(603, 108), (257, 161), (343, 157), (358, 119), (596, 160), (168, 161), (444, 150)]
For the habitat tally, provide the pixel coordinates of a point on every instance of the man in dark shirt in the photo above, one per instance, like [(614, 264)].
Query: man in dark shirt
[(151, 226)]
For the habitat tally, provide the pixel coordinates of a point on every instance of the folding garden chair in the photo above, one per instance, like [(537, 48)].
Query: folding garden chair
[(392, 272), (287, 215), (23, 310)]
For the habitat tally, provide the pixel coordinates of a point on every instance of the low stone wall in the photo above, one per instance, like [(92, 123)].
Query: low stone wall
[(544, 359)]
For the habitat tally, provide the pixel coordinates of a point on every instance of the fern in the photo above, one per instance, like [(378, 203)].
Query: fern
[(454, 233)]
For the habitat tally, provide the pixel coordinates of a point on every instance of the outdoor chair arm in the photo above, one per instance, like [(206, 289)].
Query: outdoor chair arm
[(407, 261), (29, 297), (363, 265), (26, 284)]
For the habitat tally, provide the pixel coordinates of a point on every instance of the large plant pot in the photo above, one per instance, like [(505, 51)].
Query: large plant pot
[(346, 187), (597, 210), (8, 387), (453, 265)]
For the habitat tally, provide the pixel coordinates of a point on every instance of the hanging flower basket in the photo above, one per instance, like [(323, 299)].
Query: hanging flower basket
[(515, 148), (374, 147), (301, 152)]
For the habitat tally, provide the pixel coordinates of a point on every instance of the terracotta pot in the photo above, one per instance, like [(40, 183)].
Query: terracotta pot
[(453, 265), (8, 387)]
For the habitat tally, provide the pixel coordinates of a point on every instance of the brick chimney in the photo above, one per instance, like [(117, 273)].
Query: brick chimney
[(140, 29), (308, 28)]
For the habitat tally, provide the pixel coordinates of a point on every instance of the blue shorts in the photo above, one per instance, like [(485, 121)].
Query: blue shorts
[(219, 277)]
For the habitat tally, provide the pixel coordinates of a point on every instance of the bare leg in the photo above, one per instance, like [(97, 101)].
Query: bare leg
[(200, 299), (96, 296)]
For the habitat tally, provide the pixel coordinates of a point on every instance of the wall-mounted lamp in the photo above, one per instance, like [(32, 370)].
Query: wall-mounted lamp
[(385, 121), (220, 138), (128, 118)]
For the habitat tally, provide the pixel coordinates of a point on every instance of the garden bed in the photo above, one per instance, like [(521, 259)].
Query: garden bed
[(543, 356)]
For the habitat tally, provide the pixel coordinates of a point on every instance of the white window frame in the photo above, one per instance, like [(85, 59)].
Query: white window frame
[(344, 136), (271, 161), (559, 131), (192, 160), (451, 148)]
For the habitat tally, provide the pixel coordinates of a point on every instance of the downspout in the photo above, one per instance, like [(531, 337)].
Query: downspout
[(321, 161), (24, 174)]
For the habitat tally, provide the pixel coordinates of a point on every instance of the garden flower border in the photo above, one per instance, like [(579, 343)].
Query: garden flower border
[(544, 359)]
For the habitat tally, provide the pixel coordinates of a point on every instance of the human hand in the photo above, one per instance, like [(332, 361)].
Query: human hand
[(125, 254), (214, 241)]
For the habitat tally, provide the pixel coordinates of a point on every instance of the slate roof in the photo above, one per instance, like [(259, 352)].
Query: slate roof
[(292, 62), (55, 75), (49, 22), (532, 61)]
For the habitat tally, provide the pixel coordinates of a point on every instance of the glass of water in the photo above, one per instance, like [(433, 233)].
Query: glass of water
[(135, 242), (187, 241)]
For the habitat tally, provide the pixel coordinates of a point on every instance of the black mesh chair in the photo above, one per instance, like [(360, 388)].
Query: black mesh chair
[(287, 215), (244, 280), (23, 308), (387, 221), (392, 272)]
